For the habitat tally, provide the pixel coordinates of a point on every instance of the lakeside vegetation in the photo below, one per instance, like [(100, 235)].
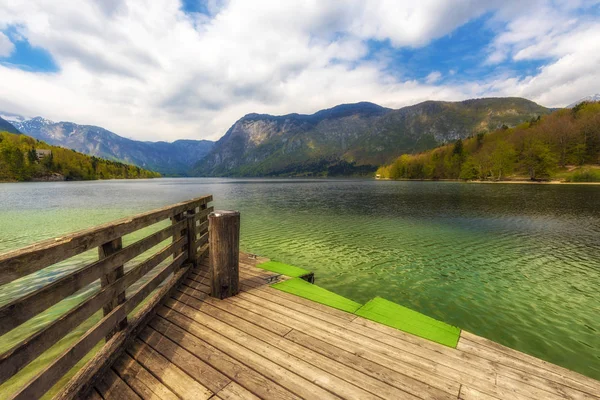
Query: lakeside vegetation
[(19, 161), (563, 145)]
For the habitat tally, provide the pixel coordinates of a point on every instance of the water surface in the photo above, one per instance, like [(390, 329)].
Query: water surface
[(519, 264)]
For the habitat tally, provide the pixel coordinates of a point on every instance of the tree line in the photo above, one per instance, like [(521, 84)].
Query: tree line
[(565, 140), (19, 162)]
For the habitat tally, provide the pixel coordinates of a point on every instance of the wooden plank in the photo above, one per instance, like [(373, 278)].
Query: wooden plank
[(179, 221), (433, 363), (140, 380), (202, 240), (511, 369), (18, 263), (203, 373), (331, 365), (301, 361), (232, 368), (233, 391), (195, 299), (87, 376), (521, 361), (191, 235), (113, 387), (22, 309), (442, 355), (357, 344), (310, 304), (292, 382), (177, 380), (468, 393), (384, 374), (110, 277), (93, 395), (198, 286), (61, 365), (26, 351)]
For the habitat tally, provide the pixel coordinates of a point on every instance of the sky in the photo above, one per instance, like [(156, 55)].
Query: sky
[(174, 69)]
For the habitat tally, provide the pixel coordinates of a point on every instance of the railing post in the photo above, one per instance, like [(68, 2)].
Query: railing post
[(191, 236), (104, 251), (224, 252), (179, 234)]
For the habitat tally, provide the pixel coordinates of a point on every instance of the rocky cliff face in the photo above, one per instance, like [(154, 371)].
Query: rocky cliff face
[(353, 138), (175, 158)]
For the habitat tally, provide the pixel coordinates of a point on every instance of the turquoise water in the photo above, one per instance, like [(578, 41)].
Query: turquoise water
[(519, 264)]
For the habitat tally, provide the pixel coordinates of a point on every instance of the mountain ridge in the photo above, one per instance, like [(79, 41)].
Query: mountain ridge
[(353, 138), (168, 158)]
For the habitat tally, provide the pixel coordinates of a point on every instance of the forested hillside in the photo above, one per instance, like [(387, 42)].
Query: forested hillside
[(354, 139), (563, 145), (19, 161)]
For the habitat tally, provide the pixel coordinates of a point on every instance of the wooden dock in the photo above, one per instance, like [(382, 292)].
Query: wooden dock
[(260, 343)]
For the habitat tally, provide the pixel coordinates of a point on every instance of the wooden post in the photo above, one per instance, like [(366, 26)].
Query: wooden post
[(177, 235), (191, 236), (104, 251), (224, 252)]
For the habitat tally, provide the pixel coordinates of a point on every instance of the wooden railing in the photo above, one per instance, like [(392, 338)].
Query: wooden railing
[(189, 232)]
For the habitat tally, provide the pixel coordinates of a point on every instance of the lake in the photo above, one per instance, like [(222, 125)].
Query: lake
[(519, 264)]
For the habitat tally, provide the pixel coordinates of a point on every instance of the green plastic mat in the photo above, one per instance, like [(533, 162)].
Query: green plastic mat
[(283, 269), (396, 316), (301, 288)]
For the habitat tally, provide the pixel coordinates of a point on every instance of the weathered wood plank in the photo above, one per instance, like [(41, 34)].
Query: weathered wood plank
[(233, 391), (203, 373), (195, 299), (140, 380), (232, 368), (442, 357), (113, 387), (18, 263), (359, 345), (328, 363), (20, 310), (173, 377), (302, 362), (512, 370), (191, 236), (26, 351), (61, 365), (294, 383), (384, 374), (86, 378), (108, 278)]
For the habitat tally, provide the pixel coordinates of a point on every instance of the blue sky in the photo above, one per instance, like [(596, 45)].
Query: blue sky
[(168, 69)]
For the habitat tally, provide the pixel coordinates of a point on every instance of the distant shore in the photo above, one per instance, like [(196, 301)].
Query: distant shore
[(522, 182)]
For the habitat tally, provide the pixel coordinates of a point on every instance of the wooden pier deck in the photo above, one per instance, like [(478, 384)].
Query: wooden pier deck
[(262, 343)]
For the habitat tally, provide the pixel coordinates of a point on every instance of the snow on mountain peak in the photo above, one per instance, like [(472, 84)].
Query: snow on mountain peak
[(591, 98)]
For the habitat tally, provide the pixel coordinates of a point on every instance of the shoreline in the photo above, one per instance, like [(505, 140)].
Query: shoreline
[(524, 182)]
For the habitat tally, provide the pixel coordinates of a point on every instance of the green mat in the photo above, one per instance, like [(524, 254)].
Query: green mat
[(396, 316), (301, 288), (283, 269)]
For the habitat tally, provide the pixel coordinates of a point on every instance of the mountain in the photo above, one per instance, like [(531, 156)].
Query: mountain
[(24, 158), (591, 99), (174, 158), (6, 126), (353, 138), (564, 146)]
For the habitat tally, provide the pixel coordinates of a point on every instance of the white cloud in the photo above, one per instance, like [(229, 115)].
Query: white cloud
[(145, 69), (6, 46), (433, 77)]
